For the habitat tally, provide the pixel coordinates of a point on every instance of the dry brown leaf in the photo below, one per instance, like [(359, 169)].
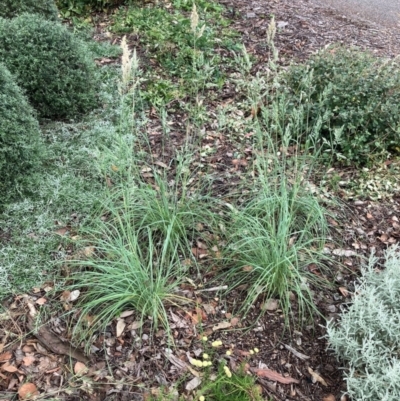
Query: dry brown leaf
[(222, 325), (28, 360), (199, 253), (65, 296), (28, 348), (126, 313), (274, 376), (27, 390), (201, 245), (135, 325), (41, 301), (62, 231), (120, 327), (163, 165), (9, 368), (344, 291), (210, 309), (6, 356), (80, 368), (88, 251), (31, 307), (234, 321), (55, 344), (316, 377), (192, 384)]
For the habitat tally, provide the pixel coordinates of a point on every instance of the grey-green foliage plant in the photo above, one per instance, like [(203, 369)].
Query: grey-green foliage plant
[(12, 8), (54, 68), (279, 229), (20, 138), (367, 337), (353, 91)]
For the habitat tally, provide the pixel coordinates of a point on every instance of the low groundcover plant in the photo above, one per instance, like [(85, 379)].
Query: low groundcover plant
[(351, 91), (367, 337)]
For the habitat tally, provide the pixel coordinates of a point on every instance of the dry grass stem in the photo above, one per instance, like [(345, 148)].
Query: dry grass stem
[(194, 18), (271, 31), (126, 63)]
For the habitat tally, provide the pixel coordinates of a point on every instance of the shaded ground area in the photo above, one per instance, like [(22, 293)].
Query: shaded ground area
[(125, 366), (383, 12), (304, 27)]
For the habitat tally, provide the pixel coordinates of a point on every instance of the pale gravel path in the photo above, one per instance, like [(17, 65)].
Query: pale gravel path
[(382, 12)]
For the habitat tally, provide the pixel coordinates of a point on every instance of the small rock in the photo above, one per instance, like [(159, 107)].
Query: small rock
[(271, 305), (329, 397), (250, 15), (282, 24), (331, 308)]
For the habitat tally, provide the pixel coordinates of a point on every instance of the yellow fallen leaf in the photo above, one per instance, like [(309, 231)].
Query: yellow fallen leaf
[(222, 325), (316, 377), (120, 327)]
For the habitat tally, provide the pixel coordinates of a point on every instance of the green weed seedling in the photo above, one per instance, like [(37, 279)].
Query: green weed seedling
[(224, 385)]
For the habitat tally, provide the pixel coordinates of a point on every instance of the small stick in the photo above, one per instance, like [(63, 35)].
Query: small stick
[(221, 287)]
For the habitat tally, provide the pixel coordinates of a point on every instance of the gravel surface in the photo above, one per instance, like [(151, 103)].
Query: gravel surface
[(384, 12)]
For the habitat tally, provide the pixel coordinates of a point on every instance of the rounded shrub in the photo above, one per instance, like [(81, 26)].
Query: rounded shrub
[(353, 97), (53, 66), (20, 141), (12, 8)]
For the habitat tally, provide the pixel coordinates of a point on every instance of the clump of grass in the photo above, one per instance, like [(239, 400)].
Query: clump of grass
[(151, 221), (143, 251), (274, 238), (278, 230), (128, 272)]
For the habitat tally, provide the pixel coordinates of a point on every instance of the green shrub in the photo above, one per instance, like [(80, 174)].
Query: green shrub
[(12, 8), (69, 7), (20, 148), (356, 97), (368, 335), (55, 68)]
